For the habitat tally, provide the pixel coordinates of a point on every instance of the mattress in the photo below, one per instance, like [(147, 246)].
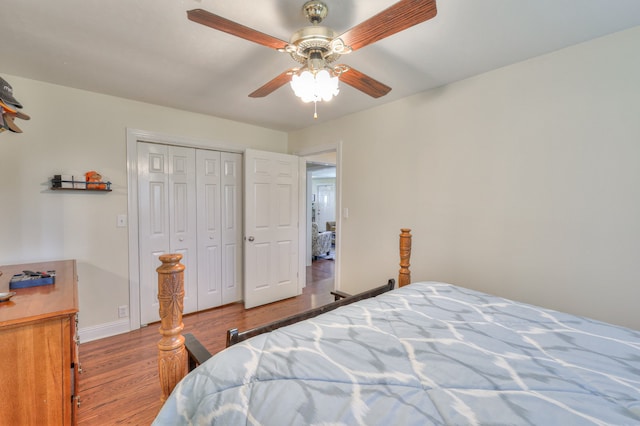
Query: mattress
[(427, 353)]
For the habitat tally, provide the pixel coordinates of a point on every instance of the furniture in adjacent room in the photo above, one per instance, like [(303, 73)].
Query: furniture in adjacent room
[(331, 227), (320, 242), (39, 348)]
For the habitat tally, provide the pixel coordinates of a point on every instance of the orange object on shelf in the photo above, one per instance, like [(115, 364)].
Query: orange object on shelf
[(93, 176)]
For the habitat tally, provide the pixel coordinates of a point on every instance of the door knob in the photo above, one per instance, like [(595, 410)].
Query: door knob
[(251, 238)]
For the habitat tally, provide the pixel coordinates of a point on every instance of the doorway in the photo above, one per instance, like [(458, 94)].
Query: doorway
[(323, 209), (322, 217)]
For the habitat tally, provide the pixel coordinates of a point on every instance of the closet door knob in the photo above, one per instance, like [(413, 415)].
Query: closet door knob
[(251, 238)]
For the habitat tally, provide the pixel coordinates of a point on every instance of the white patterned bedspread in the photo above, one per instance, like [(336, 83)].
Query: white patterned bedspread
[(428, 353)]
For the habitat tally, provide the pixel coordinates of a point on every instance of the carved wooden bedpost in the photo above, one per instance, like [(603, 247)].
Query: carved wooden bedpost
[(404, 277), (172, 356)]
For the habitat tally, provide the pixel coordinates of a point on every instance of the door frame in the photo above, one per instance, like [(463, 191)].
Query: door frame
[(304, 225), (133, 136)]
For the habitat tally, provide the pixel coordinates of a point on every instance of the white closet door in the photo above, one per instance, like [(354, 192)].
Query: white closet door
[(231, 212), (209, 229), (190, 202), (182, 215), (166, 221), (153, 223), (219, 185)]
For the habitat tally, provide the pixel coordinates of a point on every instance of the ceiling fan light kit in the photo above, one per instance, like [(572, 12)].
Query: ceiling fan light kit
[(315, 87), (317, 47)]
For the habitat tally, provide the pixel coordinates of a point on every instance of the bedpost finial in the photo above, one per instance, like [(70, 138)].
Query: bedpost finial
[(404, 276)]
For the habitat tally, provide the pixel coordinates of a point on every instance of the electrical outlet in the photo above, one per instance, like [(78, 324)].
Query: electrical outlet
[(123, 311)]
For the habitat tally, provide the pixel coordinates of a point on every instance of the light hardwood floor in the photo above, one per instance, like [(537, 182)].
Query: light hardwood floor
[(119, 383)]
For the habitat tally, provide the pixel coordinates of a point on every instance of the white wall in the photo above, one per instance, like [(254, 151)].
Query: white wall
[(78, 130), (523, 182)]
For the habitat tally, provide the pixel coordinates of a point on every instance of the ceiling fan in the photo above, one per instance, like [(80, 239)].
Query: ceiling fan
[(317, 48)]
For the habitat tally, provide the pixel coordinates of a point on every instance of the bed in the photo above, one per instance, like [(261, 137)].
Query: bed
[(424, 353)]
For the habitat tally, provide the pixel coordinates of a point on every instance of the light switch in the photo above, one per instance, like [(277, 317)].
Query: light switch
[(345, 213), (122, 221)]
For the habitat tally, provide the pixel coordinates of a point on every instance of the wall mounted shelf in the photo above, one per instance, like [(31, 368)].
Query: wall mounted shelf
[(79, 185)]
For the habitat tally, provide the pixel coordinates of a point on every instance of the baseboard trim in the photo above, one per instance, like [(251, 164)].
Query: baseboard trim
[(100, 331)]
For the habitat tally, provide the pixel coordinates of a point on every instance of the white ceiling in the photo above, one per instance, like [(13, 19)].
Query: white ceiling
[(147, 50), (320, 171)]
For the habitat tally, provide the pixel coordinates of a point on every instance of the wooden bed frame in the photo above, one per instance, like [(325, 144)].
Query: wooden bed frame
[(178, 354)]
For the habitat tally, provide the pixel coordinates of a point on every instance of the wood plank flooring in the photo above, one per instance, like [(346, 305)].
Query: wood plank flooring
[(119, 383)]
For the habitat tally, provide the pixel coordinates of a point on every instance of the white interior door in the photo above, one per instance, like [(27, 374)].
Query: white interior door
[(158, 225), (219, 211), (209, 229), (182, 219), (231, 227), (153, 223), (271, 227), (166, 220), (326, 205)]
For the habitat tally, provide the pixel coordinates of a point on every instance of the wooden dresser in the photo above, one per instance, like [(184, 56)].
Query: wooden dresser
[(39, 348)]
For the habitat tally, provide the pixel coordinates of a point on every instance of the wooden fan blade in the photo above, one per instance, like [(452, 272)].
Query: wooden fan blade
[(364, 83), (274, 84), (222, 24), (398, 17)]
